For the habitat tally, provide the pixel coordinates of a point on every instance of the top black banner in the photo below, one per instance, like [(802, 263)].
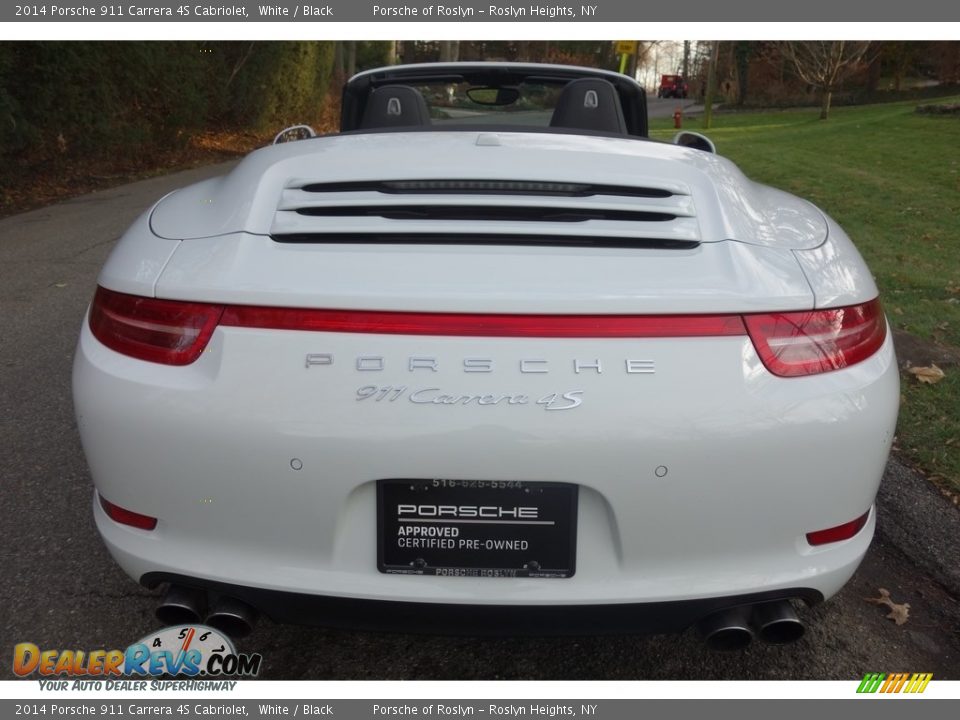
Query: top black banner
[(486, 11)]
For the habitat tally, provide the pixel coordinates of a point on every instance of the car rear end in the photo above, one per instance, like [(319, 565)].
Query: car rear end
[(537, 396)]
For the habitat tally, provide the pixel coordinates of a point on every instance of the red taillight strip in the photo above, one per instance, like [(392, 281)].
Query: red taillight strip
[(789, 343), (127, 517), (838, 533), (809, 342), (477, 325), (169, 332)]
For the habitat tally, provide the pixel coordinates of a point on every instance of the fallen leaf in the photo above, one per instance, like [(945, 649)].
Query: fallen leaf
[(899, 612), (930, 375)]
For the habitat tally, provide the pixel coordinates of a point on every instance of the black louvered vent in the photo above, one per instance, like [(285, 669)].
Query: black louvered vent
[(484, 213), (486, 187), (483, 239)]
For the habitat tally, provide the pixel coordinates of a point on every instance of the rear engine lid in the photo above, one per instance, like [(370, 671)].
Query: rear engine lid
[(458, 184)]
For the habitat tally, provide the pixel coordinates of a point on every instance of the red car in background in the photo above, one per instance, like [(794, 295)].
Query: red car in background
[(672, 86)]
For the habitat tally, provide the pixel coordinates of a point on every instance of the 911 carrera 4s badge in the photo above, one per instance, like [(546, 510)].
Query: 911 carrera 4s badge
[(437, 396)]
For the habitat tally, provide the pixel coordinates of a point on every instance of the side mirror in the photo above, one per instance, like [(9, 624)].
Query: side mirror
[(294, 132), (695, 140)]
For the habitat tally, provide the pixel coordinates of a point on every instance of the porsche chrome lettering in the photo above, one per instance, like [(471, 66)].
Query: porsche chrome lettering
[(526, 366)]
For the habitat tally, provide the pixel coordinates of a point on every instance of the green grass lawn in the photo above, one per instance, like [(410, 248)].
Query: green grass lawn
[(891, 178)]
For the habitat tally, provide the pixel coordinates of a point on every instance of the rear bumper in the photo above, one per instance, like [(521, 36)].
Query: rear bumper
[(754, 463), (447, 619)]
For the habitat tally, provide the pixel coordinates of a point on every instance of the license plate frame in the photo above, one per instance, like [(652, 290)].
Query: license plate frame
[(477, 528)]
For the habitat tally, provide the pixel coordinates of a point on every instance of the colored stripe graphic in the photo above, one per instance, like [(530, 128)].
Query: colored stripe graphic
[(894, 683), (871, 682), (925, 679)]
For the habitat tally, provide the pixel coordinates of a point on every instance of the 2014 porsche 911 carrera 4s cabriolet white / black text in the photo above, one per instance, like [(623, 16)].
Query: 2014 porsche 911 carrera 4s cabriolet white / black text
[(488, 359)]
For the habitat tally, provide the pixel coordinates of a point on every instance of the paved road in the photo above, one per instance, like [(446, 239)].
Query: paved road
[(665, 107), (61, 589)]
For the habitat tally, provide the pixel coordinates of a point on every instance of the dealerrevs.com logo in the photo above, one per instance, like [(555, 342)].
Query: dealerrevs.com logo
[(894, 683), (183, 651)]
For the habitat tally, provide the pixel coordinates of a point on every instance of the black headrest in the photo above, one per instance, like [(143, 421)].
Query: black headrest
[(395, 106), (589, 104)]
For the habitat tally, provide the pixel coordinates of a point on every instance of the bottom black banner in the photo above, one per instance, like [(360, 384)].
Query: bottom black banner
[(742, 709)]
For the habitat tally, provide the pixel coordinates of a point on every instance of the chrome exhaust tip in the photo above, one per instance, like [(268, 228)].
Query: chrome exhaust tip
[(727, 630), (777, 622), (234, 618), (181, 606)]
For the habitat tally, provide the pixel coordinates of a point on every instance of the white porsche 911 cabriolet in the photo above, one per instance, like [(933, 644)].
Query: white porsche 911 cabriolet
[(488, 360)]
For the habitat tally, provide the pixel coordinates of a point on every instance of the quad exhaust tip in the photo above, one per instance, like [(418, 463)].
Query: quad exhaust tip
[(777, 622), (773, 622), (181, 605), (728, 629), (234, 618)]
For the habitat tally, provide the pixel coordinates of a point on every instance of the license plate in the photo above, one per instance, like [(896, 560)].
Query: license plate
[(476, 528)]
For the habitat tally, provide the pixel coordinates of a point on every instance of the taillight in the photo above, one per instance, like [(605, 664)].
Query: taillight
[(127, 517), (161, 331), (838, 533), (816, 341)]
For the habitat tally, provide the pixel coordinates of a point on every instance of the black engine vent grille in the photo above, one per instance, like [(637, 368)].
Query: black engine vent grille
[(486, 187), (485, 213), (494, 239)]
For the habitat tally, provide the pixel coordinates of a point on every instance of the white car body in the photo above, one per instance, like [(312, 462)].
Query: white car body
[(699, 473)]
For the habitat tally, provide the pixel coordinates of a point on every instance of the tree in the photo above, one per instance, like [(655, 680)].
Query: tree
[(899, 56), (824, 64), (946, 61), (351, 58), (449, 50), (711, 85), (743, 52)]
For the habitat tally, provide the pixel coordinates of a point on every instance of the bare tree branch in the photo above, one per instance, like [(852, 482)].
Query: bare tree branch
[(240, 63), (824, 64)]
